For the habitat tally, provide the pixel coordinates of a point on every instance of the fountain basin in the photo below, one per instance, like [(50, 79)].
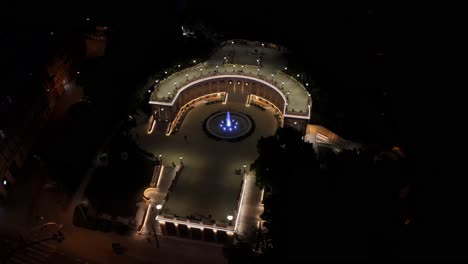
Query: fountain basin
[(228, 125)]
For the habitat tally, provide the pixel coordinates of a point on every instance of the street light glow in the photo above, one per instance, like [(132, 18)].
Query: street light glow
[(158, 207), (230, 217)]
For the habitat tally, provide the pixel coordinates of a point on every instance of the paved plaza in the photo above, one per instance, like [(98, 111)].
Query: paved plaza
[(208, 184)]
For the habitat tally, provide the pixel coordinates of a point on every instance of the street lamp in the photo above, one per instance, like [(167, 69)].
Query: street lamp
[(160, 158), (175, 84), (245, 166), (282, 84), (216, 68), (272, 76), (258, 72), (181, 162), (230, 217), (285, 68), (158, 207), (201, 72), (186, 76)]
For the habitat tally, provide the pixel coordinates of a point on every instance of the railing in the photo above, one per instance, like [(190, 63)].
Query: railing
[(199, 72)]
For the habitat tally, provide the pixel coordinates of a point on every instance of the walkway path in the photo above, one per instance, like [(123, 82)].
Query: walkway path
[(244, 65), (252, 207)]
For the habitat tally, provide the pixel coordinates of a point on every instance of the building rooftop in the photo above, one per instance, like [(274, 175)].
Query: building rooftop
[(244, 59)]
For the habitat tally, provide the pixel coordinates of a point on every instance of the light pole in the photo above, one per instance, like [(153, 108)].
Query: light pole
[(272, 75), (175, 85), (245, 166), (258, 72), (282, 84), (181, 162), (160, 159), (186, 76), (230, 217), (201, 72), (158, 207), (216, 68)]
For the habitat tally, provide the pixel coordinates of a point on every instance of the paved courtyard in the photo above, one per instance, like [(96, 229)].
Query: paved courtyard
[(208, 184)]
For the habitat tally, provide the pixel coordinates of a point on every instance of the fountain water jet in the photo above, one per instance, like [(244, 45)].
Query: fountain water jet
[(228, 119)]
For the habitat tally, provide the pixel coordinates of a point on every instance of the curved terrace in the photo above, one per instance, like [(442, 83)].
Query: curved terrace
[(222, 64)]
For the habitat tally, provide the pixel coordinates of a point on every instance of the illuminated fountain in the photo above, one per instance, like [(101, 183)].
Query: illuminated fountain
[(229, 125)]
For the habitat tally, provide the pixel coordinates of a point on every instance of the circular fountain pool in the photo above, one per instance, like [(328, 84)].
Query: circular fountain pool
[(229, 125)]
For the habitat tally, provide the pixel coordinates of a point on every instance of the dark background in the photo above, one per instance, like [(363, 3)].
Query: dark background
[(362, 57)]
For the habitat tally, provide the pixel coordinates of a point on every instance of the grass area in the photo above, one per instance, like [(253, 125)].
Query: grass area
[(117, 187)]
